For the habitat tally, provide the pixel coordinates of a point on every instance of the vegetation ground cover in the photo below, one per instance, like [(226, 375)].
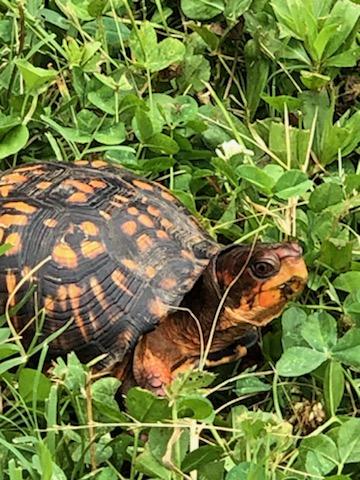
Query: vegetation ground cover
[(248, 111)]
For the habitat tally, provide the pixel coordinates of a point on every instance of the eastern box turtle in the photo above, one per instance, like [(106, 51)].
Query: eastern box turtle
[(132, 272)]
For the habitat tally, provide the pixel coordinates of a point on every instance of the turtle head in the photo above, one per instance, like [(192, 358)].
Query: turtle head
[(258, 280)]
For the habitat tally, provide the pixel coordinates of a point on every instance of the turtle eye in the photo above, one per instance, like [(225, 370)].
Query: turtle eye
[(263, 268)]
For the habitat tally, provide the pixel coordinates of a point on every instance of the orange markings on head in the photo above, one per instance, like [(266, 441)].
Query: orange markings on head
[(168, 283), (64, 255), (290, 267), (99, 164), (150, 272), (119, 279), (14, 177), (143, 185), (50, 222), (43, 185), (133, 211), (20, 207), (130, 264), (1, 234), (81, 186), (144, 242), (145, 220), (129, 227), (89, 228), (167, 196), (8, 220), (5, 190), (269, 298), (13, 239), (91, 249), (162, 235), (157, 308), (78, 197), (155, 212), (97, 183), (11, 282)]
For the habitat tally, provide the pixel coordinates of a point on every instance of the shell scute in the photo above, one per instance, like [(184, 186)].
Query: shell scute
[(122, 252)]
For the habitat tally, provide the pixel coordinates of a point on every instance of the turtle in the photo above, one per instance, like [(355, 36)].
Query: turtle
[(127, 277)]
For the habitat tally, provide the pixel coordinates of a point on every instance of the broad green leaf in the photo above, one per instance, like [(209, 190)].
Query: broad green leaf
[(325, 195), (296, 18), (246, 471), (349, 441), (8, 122), (27, 379), (344, 15), (142, 125), (257, 73), (151, 54), (298, 361), (319, 331), (35, 77), (163, 144), (116, 32), (146, 463), (103, 393), (195, 406), (145, 406), (349, 58), (280, 101), (348, 281), (235, 8), (292, 183), (336, 254), (293, 320), (113, 135), (72, 373), (201, 456), (334, 384), (298, 145), (170, 51), (194, 73), (247, 385), (313, 80), (257, 177), (13, 141), (347, 349), (202, 9), (318, 454), (163, 439), (188, 382)]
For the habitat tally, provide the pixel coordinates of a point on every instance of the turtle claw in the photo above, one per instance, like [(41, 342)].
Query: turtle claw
[(156, 384)]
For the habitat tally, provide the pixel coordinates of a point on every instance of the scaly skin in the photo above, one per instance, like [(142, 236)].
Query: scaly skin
[(251, 302)]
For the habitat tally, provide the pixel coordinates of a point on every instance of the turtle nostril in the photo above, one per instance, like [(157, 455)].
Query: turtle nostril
[(296, 247)]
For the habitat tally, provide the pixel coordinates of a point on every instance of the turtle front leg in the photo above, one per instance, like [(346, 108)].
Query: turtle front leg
[(239, 352), (151, 368)]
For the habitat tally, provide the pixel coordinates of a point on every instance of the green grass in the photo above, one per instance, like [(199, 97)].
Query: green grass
[(162, 87)]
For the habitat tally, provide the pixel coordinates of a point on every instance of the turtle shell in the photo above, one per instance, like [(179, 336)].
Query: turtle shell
[(109, 253)]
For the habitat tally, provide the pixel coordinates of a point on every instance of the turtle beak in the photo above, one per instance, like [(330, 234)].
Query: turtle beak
[(293, 265)]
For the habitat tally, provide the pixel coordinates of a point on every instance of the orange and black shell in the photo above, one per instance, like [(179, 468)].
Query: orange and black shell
[(119, 253)]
